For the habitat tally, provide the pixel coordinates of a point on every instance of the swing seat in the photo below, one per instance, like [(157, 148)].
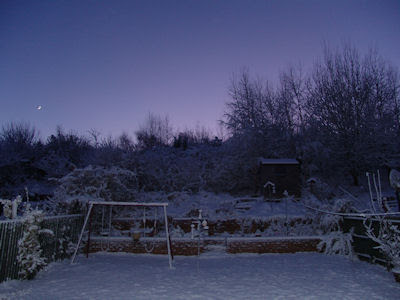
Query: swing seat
[(104, 233)]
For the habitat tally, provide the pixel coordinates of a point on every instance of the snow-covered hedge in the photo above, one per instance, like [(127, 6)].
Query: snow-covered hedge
[(30, 255), (215, 168), (40, 240), (96, 183)]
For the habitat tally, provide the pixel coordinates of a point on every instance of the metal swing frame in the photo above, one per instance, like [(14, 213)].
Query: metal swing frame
[(139, 204)]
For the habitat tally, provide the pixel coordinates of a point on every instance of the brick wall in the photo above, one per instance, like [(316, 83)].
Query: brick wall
[(271, 245), (186, 246)]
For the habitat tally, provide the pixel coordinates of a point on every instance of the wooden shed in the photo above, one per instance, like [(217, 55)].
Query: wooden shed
[(277, 175)]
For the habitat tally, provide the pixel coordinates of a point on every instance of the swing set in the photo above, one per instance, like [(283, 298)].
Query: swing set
[(105, 222)]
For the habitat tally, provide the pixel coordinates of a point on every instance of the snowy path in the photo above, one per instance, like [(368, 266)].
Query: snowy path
[(212, 276)]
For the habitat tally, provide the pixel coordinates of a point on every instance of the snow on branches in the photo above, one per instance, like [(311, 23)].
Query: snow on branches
[(30, 256), (336, 242), (387, 236), (97, 183)]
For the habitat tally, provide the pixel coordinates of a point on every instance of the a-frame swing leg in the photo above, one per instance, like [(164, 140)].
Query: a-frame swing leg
[(168, 239), (83, 230)]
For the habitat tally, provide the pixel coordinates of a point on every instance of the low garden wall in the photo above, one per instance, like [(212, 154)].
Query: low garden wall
[(188, 246), (273, 245)]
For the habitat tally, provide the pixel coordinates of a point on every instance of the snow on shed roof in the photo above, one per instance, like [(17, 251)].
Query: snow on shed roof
[(278, 161)]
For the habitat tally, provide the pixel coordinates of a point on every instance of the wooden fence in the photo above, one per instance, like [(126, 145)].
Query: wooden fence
[(64, 228), (363, 246)]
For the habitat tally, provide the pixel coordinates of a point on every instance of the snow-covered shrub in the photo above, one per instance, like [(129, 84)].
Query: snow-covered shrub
[(326, 217), (293, 226), (388, 239), (329, 220), (30, 256), (55, 165), (177, 232), (65, 247), (68, 148), (321, 190), (170, 169), (336, 242), (97, 184), (209, 167)]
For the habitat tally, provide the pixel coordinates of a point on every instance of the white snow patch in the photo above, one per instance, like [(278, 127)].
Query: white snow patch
[(219, 276)]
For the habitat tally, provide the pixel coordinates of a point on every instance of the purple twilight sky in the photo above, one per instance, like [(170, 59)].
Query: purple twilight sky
[(106, 64)]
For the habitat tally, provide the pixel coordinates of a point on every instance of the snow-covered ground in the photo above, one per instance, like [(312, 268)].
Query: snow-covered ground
[(211, 276), (222, 206)]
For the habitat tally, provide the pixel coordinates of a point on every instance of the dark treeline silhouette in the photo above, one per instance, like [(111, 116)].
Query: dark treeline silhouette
[(340, 119)]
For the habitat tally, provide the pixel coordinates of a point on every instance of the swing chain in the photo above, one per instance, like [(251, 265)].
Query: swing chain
[(148, 250)]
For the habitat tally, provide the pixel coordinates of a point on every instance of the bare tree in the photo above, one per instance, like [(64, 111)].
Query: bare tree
[(19, 134), (259, 118), (156, 131), (291, 99), (125, 143), (71, 146), (200, 135), (18, 141), (252, 106), (351, 104), (94, 135)]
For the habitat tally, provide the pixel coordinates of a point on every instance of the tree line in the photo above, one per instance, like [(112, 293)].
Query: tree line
[(340, 119)]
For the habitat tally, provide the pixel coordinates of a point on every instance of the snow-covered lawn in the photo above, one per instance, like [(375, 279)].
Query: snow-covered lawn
[(211, 276)]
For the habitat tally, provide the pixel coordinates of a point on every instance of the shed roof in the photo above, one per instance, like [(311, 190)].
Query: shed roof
[(278, 161)]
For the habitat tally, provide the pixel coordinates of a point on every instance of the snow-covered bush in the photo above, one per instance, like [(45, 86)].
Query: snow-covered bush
[(30, 255), (320, 189), (177, 232), (210, 167), (336, 242), (326, 214), (96, 183), (388, 239), (329, 220), (279, 225), (68, 148), (64, 246)]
